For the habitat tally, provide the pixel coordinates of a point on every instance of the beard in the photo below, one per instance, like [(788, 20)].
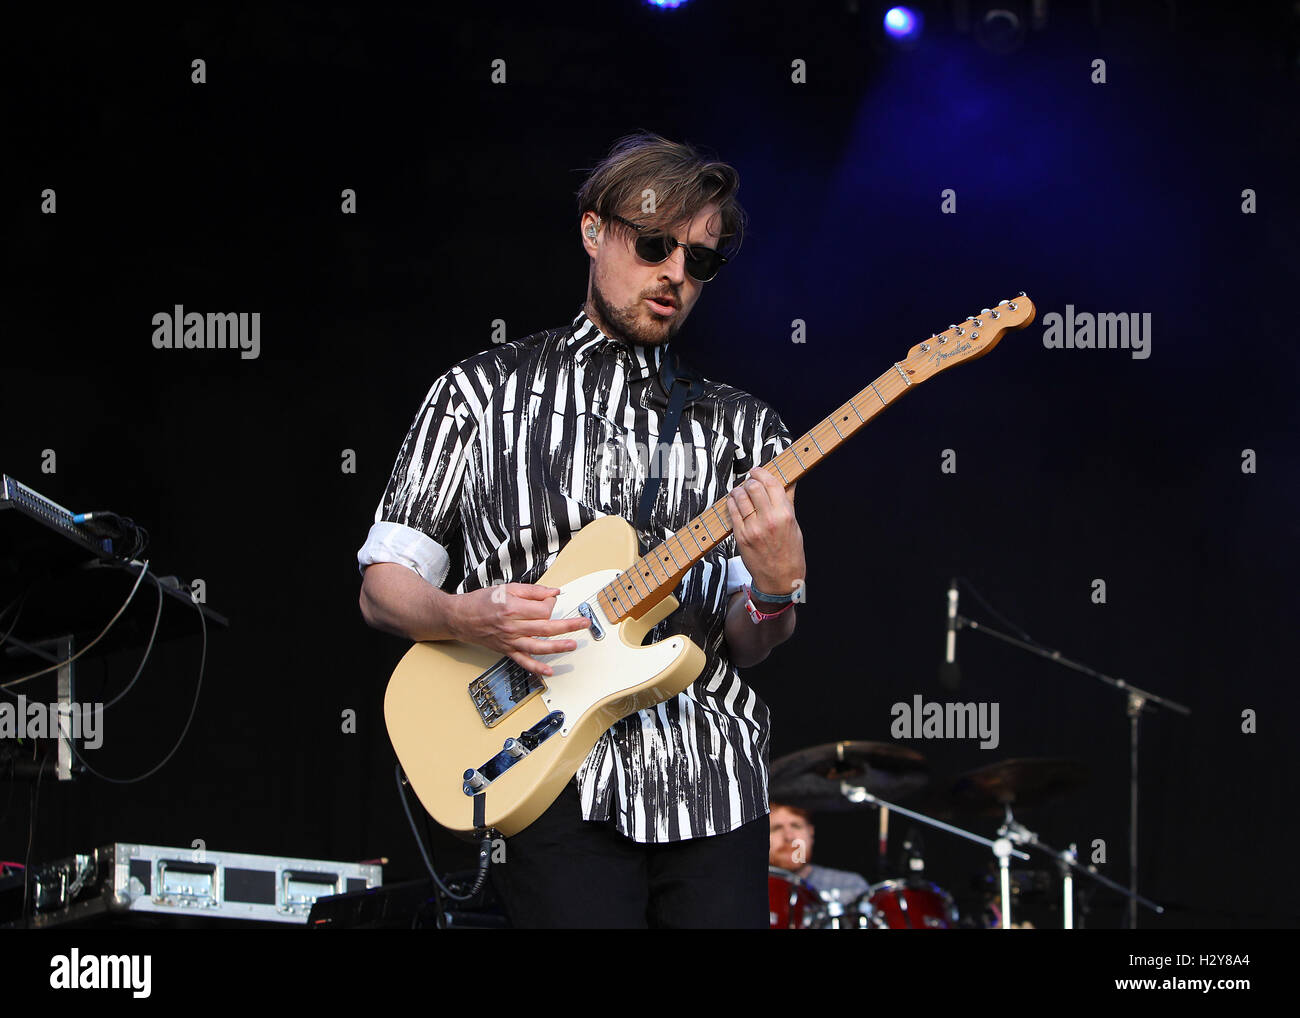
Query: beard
[(633, 323)]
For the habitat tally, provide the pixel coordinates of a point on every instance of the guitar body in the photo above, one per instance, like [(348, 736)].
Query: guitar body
[(439, 732)]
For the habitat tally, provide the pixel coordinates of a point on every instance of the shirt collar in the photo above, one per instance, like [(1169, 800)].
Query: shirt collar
[(640, 360)]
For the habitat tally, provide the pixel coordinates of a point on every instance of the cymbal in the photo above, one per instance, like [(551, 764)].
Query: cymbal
[(810, 778), (1021, 783)]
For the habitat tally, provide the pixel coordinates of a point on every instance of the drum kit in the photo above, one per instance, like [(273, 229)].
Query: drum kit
[(851, 776), (793, 904)]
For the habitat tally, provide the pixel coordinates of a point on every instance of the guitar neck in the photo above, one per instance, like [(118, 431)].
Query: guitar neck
[(656, 574)]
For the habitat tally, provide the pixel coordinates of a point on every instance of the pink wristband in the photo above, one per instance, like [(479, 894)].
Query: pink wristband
[(755, 615)]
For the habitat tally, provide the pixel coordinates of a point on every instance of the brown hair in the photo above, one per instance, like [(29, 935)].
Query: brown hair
[(682, 179), (797, 810)]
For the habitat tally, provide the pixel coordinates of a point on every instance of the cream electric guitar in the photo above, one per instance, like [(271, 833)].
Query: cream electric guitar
[(487, 744)]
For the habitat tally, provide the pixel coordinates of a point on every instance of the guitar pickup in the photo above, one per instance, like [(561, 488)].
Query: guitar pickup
[(477, 779), (597, 630)]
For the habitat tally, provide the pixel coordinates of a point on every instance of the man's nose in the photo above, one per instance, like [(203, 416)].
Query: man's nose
[(673, 268)]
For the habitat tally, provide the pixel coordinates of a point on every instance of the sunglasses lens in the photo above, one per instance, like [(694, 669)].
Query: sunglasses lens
[(702, 263), (652, 248)]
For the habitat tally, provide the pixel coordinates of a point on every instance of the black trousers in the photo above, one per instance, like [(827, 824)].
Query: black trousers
[(565, 872)]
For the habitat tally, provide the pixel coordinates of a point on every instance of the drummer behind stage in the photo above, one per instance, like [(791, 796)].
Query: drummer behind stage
[(791, 847)]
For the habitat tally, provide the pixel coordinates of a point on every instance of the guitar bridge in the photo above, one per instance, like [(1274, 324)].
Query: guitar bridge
[(502, 688)]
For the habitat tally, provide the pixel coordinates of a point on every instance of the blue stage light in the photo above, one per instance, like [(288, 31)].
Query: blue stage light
[(902, 23), (665, 4)]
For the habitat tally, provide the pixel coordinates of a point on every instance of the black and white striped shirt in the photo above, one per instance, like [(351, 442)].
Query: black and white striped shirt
[(512, 447)]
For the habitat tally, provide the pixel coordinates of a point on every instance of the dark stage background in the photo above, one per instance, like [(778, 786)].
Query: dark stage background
[(1072, 464)]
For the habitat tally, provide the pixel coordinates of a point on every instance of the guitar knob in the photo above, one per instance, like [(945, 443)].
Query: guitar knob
[(474, 781), (515, 748)]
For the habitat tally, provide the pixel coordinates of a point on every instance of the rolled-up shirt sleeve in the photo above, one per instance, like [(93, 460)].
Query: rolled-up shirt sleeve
[(395, 542), (420, 505), (737, 575)]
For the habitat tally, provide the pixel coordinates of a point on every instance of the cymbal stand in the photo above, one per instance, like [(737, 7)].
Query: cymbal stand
[(1002, 848), (1067, 862)]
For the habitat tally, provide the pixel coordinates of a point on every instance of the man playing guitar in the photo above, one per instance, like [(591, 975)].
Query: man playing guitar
[(665, 823)]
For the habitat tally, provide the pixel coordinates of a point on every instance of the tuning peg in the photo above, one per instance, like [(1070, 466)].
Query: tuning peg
[(984, 311), (1021, 293)]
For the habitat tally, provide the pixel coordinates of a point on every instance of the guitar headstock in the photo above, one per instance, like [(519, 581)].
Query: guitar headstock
[(972, 338)]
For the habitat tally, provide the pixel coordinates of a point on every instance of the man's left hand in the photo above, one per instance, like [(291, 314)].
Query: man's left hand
[(767, 533)]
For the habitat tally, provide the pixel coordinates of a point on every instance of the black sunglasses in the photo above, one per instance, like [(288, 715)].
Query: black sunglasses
[(702, 263)]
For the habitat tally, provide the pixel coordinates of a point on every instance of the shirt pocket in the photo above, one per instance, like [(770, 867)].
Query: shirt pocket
[(596, 465)]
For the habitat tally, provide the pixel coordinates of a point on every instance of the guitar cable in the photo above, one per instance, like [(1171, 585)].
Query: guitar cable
[(484, 848)]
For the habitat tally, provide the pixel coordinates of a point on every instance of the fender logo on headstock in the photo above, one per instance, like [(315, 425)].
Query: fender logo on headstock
[(939, 356)]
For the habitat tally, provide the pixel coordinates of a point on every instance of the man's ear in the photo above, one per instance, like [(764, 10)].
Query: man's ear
[(589, 230)]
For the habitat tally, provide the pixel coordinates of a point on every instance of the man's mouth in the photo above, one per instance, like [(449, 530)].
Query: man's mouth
[(662, 305)]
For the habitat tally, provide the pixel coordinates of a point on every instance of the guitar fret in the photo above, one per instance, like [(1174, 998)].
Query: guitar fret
[(878, 396), (632, 574), (651, 560)]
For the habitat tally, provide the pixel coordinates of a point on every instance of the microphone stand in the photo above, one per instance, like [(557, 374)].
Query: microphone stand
[(1136, 700)]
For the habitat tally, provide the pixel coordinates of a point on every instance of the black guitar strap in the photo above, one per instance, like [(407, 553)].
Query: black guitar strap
[(681, 384)]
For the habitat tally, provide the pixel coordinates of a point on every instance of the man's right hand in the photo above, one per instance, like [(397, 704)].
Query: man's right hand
[(513, 618)]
